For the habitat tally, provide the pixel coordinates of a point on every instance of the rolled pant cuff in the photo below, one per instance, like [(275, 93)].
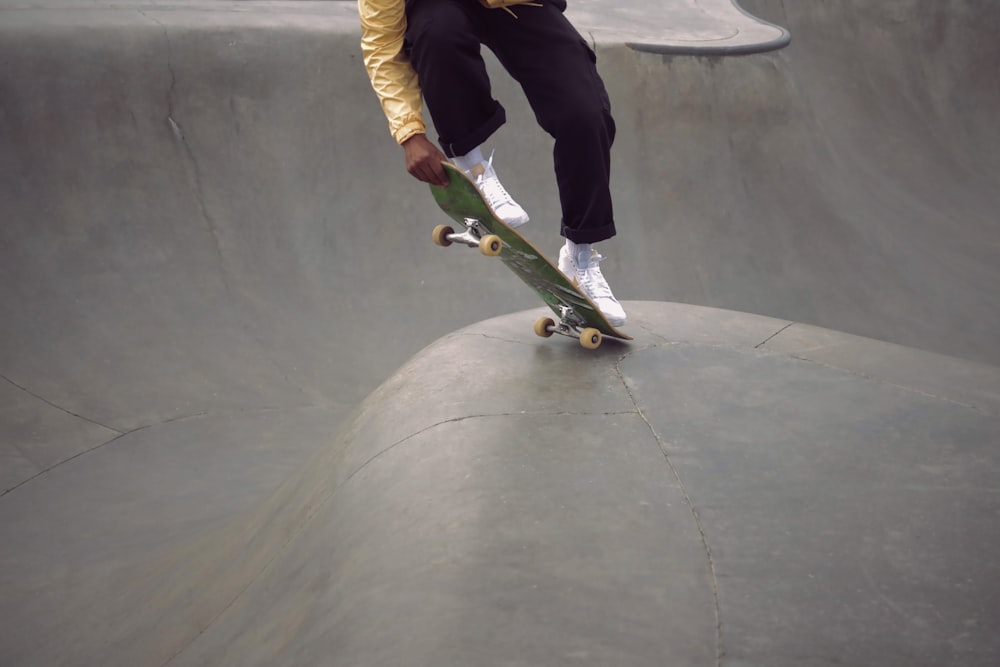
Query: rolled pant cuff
[(590, 234), (462, 145)]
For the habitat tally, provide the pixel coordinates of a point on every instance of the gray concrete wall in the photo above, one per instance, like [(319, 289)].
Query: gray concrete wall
[(847, 181)]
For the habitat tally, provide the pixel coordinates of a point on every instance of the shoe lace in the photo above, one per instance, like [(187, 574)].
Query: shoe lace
[(491, 187), (592, 281), (494, 192), (529, 3)]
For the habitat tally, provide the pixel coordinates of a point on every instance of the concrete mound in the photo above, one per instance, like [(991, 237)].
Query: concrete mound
[(727, 487)]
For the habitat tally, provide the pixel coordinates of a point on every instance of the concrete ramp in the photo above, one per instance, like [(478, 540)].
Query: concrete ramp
[(727, 489), (245, 417)]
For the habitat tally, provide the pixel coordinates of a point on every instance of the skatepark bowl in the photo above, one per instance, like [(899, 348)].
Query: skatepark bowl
[(251, 415)]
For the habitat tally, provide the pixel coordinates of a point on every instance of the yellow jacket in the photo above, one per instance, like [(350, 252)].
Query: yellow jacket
[(383, 27)]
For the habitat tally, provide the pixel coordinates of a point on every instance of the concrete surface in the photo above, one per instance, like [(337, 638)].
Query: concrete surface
[(210, 257), (727, 489)]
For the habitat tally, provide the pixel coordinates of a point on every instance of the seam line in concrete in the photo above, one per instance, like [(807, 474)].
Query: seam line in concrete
[(774, 335), (719, 648)]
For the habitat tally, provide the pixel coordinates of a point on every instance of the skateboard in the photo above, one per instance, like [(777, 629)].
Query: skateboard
[(577, 315)]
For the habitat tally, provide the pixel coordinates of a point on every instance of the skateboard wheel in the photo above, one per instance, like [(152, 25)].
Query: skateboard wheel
[(544, 326), (591, 338), (490, 245), (440, 235)]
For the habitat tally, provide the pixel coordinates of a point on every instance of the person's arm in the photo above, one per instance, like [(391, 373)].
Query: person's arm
[(383, 27)]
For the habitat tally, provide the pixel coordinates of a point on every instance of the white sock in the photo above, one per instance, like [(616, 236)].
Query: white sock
[(580, 251), (470, 159)]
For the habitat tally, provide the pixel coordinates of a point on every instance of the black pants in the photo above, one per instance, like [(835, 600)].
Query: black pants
[(557, 70)]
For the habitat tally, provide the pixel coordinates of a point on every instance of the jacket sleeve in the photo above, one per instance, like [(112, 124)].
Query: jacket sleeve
[(383, 27)]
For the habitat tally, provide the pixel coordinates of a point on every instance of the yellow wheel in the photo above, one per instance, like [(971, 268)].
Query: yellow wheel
[(543, 326), (490, 245), (591, 338), (440, 235)]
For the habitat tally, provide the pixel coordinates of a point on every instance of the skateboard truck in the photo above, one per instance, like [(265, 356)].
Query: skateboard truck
[(569, 324), (474, 236)]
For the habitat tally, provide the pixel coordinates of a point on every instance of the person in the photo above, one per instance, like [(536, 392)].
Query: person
[(429, 51)]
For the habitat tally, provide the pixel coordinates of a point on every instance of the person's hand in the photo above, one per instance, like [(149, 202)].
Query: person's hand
[(423, 160)]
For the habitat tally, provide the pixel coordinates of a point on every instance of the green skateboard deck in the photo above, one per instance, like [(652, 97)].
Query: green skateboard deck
[(577, 316)]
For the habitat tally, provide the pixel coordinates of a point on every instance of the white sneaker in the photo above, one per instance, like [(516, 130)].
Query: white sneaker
[(503, 205), (591, 282), (567, 262)]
